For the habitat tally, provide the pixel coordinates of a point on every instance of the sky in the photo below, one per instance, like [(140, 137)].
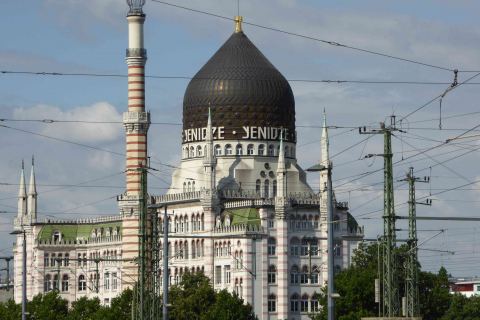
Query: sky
[(90, 36)]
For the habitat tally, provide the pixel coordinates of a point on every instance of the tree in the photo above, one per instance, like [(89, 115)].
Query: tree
[(463, 308), (434, 294), (10, 310), (48, 307), (84, 309), (229, 307), (195, 299)]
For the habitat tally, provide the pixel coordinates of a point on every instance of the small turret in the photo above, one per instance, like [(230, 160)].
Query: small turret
[(210, 160), (32, 195), (281, 202), (22, 195)]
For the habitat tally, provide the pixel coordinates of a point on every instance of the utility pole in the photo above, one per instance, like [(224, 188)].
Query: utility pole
[(411, 280), (165, 264), (390, 306)]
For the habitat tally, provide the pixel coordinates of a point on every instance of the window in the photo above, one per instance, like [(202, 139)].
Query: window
[(266, 188), (271, 150), (66, 261), (294, 244), (84, 259), (46, 260), (271, 246), (314, 303), (239, 149), (261, 150), (228, 150), (272, 303), (304, 303), (271, 223), (47, 283), (218, 274), (287, 153), (55, 282), (304, 275), (192, 152), (250, 149), (274, 188), (52, 260), (314, 275), (59, 260), (314, 247), (304, 248), (106, 281), (337, 251), (65, 282), (114, 281), (199, 151), (57, 236), (218, 150), (272, 274), (294, 275), (257, 186), (227, 274), (82, 283), (294, 303)]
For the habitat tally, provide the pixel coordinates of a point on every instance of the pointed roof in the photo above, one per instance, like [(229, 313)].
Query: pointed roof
[(32, 186), (22, 190), (324, 141)]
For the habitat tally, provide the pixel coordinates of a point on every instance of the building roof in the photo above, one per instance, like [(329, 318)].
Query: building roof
[(242, 87), (73, 231), (245, 216)]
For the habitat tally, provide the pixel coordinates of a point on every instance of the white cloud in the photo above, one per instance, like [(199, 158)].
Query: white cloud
[(79, 132)]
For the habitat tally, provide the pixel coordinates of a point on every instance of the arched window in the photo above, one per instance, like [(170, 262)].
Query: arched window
[(271, 150), (294, 275), (316, 221), (56, 282), (46, 260), (193, 250), (287, 151), (66, 260), (272, 303), (239, 150), (257, 186), (250, 149), (184, 187), (304, 247), (314, 303), (271, 246), (57, 236), (185, 152), (294, 303), (304, 275), (272, 274), (65, 282), (304, 303), (314, 275), (52, 260), (266, 189), (337, 250), (47, 283), (314, 247), (228, 150), (274, 188), (261, 150), (294, 246), (199, 151), (218, 150), (189, 186), (192, 152)]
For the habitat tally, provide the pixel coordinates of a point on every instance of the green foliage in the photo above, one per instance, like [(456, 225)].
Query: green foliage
[(10, 310), (195, 299), (48, 307), (434, 294)]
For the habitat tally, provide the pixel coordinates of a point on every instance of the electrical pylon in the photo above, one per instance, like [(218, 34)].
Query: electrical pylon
[(411, 279), (390, 305)]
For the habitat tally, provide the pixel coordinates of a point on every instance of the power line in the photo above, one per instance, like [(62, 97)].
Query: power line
[(328, 42)]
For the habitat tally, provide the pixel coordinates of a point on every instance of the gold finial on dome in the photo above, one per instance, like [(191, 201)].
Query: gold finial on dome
[(238, 23)]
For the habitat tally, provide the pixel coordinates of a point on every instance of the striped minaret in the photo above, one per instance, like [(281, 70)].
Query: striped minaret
[(324, 161), (136, 121)]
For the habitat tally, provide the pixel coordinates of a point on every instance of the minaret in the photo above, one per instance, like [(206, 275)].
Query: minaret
[(32, 195), (324, 161), (280, 199), (22, 200), (136, 122), (210, 160)]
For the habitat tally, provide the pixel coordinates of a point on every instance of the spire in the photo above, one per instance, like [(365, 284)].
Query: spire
[(22, 195), (281, 155), (238, 23), (210, 161), (32, 194), (324, 157)]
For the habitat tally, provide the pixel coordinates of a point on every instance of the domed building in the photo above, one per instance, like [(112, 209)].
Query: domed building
[(251, 222)]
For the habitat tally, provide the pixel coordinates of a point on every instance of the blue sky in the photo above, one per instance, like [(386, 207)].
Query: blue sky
[(90, 36)]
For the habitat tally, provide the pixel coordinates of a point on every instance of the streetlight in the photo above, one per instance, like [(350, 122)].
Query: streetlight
[(24, 272), (330, 282)]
